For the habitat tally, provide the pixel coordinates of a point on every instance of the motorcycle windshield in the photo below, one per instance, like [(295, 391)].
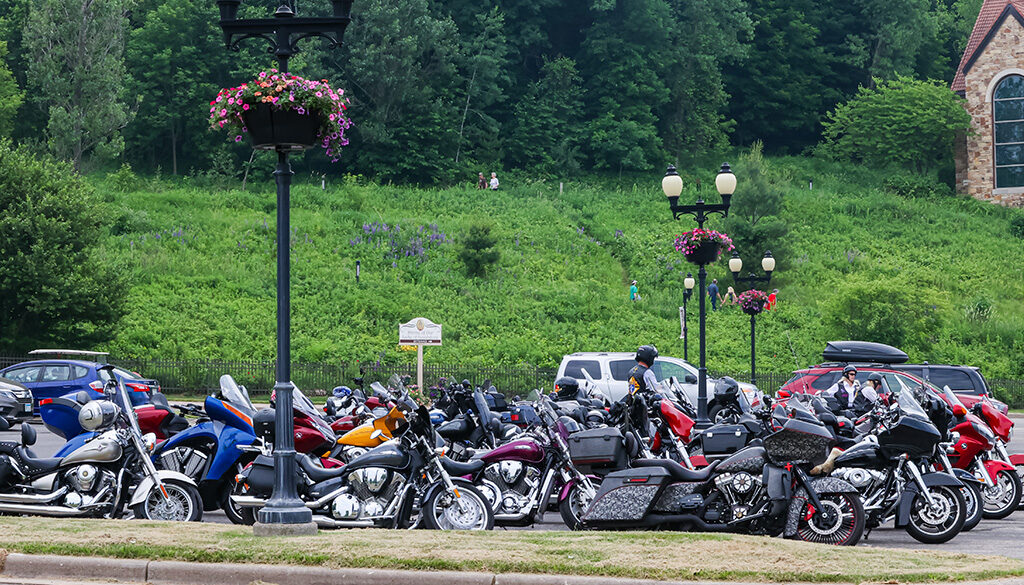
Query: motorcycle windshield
[(910, 406), (304, 406), (231, 392), (380, 391), (121, 399), (951, 397)]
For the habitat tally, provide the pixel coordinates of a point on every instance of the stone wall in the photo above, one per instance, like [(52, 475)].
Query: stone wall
[(1005, 51)]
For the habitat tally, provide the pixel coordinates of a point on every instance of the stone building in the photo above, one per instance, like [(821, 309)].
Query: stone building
[(990, 159)]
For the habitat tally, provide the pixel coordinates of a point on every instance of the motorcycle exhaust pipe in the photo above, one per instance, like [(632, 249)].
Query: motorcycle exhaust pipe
[(248, 501), (41, 510), (32, 498), (325, 522)]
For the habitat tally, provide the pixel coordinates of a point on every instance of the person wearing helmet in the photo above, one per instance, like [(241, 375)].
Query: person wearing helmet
[(869, 394), (567, 388), (641, 377), (844, 391)]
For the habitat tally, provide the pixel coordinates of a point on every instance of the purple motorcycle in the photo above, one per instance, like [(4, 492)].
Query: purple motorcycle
[(520, 477)]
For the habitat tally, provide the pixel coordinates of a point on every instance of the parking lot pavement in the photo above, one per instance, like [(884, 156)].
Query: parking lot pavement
[(993, 537)]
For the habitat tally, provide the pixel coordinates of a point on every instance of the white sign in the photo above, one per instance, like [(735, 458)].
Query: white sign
[(682, 323), (419, 331)]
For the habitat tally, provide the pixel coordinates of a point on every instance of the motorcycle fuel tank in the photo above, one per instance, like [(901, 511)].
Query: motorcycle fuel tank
[(388, 456), (522, 450), (95, 451)]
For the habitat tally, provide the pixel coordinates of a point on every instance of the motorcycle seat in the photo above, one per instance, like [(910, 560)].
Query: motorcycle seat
[(453, 429), (459, 469), (36, 465), (314, 471), (678, 472)]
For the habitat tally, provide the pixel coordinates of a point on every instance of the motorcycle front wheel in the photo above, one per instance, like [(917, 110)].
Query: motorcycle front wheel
[(972, 498), (840, 522), (941, 522), (1003, 498), (182, 503), (575, 504), (469, 511)]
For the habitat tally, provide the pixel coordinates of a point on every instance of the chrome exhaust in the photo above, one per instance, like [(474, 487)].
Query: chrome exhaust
[(61, 511), (325, 522), (248, 501), (33, 498)]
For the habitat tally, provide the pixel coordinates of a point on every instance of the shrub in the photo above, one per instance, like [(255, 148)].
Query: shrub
[(979, 309), (889, 312), (915, 187), (1017, 226), (478, 253), (124, 180)]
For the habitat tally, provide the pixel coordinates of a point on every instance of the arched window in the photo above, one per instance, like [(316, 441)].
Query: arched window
[(1008, 113)]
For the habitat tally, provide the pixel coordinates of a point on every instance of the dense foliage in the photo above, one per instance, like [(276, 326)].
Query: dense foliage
[(441, 90)]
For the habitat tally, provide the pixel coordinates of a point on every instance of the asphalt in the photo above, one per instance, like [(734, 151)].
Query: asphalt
[(993, 537)]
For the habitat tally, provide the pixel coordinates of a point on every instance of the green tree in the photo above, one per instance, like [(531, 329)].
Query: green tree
[(546, 120), (478, 251), (54, 286), (77, 74), (903, 121), (11, 96), (484, 62), (754, 221), (886, 311)]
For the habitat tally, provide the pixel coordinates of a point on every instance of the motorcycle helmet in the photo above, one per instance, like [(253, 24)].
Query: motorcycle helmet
[(646, 354), (726, 386), (342, 391), (566, 388), (849, 369), (570, 423), (97, 414), (875, 377), (467, 384)]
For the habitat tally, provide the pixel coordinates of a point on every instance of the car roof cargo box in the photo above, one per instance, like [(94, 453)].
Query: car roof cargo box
[(863, 351)]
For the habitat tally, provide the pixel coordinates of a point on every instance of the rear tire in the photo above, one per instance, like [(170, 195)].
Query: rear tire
[(842, 526), (1001, 500), (937, 526)]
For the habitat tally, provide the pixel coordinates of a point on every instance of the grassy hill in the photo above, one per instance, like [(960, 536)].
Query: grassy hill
[(939, 275)]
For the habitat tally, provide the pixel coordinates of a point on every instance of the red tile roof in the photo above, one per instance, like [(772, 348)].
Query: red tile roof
[(992, 12)]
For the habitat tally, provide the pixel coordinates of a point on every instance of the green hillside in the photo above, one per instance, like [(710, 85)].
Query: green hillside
[(941, 276)]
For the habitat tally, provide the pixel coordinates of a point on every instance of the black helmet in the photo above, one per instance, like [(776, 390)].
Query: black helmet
[(646, 354), (467, 384), (726, 385), (566, 388), (875, 377), (849, 369)]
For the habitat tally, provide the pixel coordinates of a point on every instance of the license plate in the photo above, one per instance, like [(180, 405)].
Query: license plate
[(28, 407)]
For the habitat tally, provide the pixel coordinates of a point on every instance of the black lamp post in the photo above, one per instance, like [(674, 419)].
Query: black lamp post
[(768, 265), (672, 185), (688, 284), (283, 32)]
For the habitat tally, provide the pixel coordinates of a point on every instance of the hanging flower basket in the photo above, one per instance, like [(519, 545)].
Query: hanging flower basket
[(753, 301), (284, 111), (702, 247)]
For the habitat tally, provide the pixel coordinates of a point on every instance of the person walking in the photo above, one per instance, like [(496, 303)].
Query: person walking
[(730, 297), (494, 181), (481, 182), (713, 294), (771, 299), (634, 294)]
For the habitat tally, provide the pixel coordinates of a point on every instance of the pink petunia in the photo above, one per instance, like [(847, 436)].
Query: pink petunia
[(245, 106)]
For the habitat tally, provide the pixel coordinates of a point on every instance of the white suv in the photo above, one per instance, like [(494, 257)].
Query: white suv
[(610, 371)]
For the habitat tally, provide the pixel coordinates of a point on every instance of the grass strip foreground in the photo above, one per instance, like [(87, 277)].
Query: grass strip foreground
[(644, 555)]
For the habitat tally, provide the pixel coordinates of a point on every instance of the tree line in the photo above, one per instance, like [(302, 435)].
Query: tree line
[(444, 88)]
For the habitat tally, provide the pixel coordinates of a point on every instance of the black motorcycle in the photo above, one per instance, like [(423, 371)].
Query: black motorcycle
[(758, 490), (891, 469), (399, 484)]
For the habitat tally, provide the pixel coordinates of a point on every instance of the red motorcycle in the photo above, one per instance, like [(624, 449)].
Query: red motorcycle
[(979, 448)]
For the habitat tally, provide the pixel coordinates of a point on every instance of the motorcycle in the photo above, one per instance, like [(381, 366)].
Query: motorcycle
[(100, 478), (381, 488), (520, 476), (890, 467), (758, 490)]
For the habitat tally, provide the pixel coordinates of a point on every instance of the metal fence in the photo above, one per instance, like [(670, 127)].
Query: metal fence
[(1009, 391)]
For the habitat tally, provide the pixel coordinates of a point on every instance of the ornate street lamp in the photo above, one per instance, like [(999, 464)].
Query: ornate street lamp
[(283, 32), (735, 266), (672, 185), (688, 284)]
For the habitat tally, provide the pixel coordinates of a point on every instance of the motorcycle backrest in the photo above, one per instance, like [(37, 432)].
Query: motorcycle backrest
[(159, 399), (82, 397), (28, 435)]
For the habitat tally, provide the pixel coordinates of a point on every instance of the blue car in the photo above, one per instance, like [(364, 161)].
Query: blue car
[(52, 378)]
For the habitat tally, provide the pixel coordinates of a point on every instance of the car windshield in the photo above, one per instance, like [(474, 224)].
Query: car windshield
[(233, 393)]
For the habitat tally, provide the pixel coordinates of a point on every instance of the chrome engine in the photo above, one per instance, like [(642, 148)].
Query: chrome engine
[(742, 492), (517, 484), (860, 478), (371, 492), (90, 486)]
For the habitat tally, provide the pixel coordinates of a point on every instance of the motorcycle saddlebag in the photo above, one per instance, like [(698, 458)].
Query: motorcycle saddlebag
[(598, 448), (627, 496), (261, 475), (724, 439)]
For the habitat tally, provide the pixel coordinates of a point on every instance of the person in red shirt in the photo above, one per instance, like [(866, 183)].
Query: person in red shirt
[(771, 300)]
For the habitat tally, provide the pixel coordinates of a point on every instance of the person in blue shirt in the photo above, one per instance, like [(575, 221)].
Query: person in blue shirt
[(634, 294), (713, 293)]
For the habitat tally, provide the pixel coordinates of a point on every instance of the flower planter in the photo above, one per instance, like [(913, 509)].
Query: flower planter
[(270, 128), (754, 310), (706, 253)]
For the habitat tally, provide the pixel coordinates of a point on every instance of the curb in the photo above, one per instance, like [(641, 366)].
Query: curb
[(47, 568)]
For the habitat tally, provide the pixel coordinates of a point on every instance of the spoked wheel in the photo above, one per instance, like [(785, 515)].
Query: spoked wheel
[(182, 503), (469, 510), (576, 503), (972, 499), (840, 521), (1004, 497), (933, 523), (723, 415)]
